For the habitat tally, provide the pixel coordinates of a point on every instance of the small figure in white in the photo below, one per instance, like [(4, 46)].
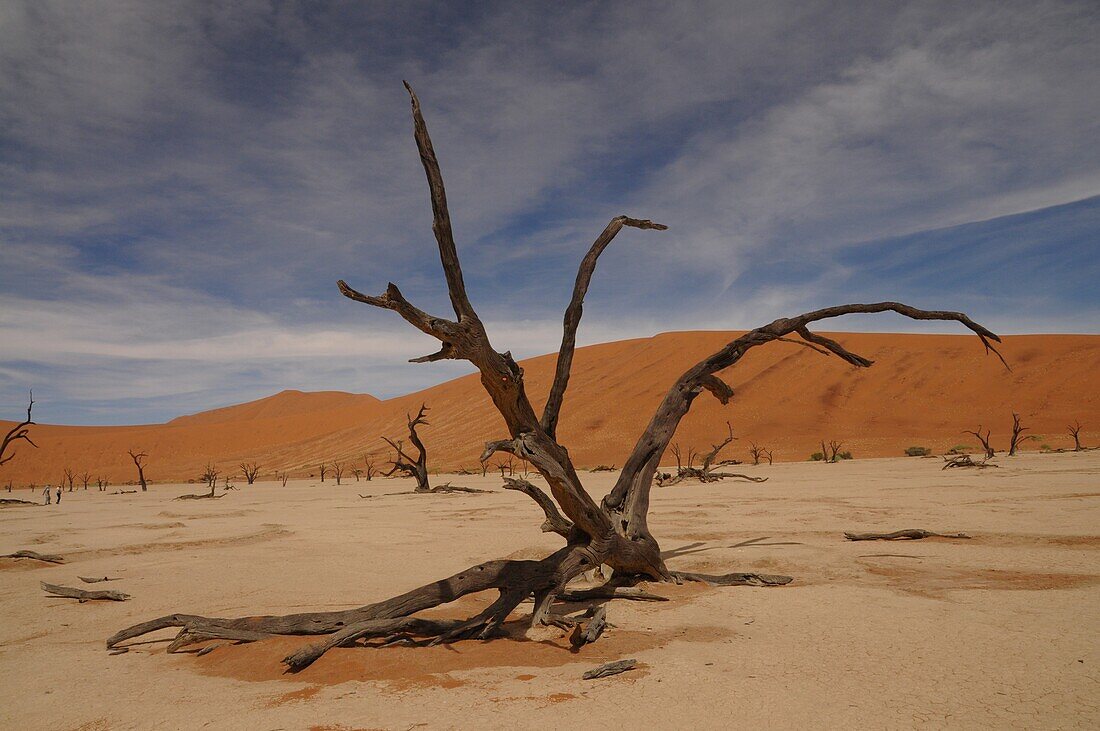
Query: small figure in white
[(46, 492)]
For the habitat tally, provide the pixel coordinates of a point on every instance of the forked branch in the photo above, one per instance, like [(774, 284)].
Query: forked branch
[(20, 431)]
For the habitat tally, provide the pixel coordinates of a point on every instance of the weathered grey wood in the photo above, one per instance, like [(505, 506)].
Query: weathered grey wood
[(19, 432), (554, 522), (16, 502), (586, 634), (610, 592), (83, 595), (909, 534), (735, 579), (965, 460), (611, 668), (89, 580), (47, 557)]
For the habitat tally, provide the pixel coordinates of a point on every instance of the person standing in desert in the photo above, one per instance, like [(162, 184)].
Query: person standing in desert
[(46, 492)]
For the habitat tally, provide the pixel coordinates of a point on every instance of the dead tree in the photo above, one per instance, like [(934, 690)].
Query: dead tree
[(20, 431), (282, 477), (416, 468), (250, 470), (613, 531), (85, 478), (69, 477), (1075, 432), (831, 454), (323, 469), (338, 471), (139, 462), (357, 472), (102, 483), (210, 476), (371, 470), (989, 453), (965, 460), (757, 452), (703, 473), (1017, 430)]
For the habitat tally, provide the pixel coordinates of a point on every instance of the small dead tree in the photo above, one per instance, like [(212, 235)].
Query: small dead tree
[(102, 483), (69, 477), (139, 462), (989, 453), (831, 454), (1074, 430), (705, 472), (417, 467), (757, 453), (20, 431), (250, 470), (85, 478), (323, 469), (370, 470), (612, 532), (282, 477), (210, 476), (338, 471), (1017, 439), (357, 472)]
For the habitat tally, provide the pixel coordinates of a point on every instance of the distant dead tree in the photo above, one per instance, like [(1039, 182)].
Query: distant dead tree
[(679, 458), (19, 431), (227, 485), (69, 477), (417, 467), (86, 477), (704, 473), (989, 453), (282, 477), (831, 453), (1016, 440), (323, 469), (250, 470), (1074, 430), (757, 453), (338, 471), (210, 476), (102, 483), (611, 531), (485, 468), (8, 486), (139, 462), (357, 472), (370, 470)]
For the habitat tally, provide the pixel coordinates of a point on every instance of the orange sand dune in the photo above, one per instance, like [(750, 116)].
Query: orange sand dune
[(923, 390)]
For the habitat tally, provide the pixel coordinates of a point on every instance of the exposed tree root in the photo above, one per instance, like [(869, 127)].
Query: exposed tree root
[(83, 595), (910, 534), (47, 557), (586, 634)]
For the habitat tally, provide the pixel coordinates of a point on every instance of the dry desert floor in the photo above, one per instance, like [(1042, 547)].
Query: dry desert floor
[(999, 631)]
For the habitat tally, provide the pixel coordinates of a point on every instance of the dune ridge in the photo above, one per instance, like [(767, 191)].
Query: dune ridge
[(923, 390)]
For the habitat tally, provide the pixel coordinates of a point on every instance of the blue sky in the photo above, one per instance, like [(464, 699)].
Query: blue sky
[(184, 182)]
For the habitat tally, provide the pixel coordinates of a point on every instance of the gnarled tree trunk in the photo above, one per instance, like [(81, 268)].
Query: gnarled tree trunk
[(417, 467), (139, 462), (613, 532)]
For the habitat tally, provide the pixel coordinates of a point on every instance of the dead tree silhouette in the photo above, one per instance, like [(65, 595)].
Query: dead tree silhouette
[(613, 531)]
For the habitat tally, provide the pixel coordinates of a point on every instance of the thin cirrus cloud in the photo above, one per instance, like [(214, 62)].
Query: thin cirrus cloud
[(184, 183)]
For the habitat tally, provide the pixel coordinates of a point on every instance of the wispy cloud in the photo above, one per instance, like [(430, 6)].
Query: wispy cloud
[(183, 183)]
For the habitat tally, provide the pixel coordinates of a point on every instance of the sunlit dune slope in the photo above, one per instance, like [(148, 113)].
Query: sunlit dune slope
[(923, 390)]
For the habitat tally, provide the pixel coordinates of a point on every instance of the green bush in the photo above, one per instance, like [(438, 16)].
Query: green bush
[(961, 449), (917, 451), (844, 455), (817, 457)]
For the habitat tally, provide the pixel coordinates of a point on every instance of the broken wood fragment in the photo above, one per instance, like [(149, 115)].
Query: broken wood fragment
[(735, 579), (611, 668), (83, 595), (586, 634), (910, 534), (91, 580), (47, 557), (610, 592)]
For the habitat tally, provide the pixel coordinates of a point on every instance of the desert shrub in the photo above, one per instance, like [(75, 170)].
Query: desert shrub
[(844, 455), (817, 457), (1045, 447), (961, 449), (917, 451)]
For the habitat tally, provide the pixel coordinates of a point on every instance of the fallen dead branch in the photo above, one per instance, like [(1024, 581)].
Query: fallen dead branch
[(603, 468), (735, 579), (16, 501), (89, 580), (611, 668), (910, 534), (965, 460), (586, 634), (47, 557), (84, 595)]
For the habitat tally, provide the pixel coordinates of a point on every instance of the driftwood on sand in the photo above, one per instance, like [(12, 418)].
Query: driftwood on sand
[(84, 595), (909, 534), (611, 668), (47, 557), (92, 580)]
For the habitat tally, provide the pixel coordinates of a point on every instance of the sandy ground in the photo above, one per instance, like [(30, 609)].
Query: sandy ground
[(1000, 631)]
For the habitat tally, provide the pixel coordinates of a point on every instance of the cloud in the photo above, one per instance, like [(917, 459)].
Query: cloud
[(183, 183)]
